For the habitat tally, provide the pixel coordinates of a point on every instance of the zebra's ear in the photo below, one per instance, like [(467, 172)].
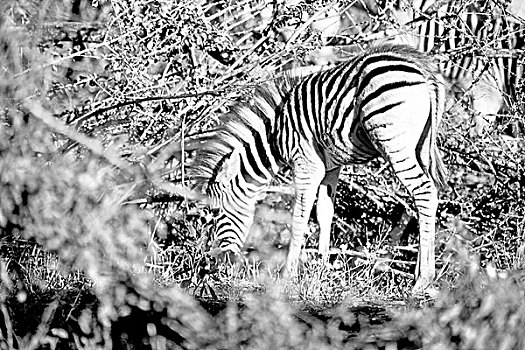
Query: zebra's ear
[(229, 168)]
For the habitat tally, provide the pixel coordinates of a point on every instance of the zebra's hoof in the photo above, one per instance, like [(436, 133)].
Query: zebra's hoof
[(423, 286)]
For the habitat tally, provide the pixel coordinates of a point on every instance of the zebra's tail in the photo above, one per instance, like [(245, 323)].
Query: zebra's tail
[(437, 170)]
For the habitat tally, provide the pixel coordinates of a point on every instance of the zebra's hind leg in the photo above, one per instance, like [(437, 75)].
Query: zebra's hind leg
[(424, 193), (308, 175), (410, 163), (325, 209), (426, 201)]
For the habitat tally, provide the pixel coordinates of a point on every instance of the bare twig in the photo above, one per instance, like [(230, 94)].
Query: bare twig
[(133, 101), (90, 143)]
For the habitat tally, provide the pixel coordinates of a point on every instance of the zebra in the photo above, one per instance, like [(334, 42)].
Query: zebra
[(387, 101), (481, 40)]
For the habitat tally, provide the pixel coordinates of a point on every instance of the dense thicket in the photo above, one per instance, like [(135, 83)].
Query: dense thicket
[(92, 255)]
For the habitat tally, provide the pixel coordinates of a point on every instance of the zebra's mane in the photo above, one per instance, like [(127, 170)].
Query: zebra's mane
[(210, 149), (422, 59)]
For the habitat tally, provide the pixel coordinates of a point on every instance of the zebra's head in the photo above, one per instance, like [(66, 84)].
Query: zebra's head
[(235, 196)]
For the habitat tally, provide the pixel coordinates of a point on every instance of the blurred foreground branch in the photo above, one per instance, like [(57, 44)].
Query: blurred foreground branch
[(135, 172)]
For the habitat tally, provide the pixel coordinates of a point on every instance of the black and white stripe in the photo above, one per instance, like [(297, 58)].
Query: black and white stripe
[(385, 102)]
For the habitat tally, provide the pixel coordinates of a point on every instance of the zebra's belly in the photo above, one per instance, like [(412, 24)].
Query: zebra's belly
[(340, 150)]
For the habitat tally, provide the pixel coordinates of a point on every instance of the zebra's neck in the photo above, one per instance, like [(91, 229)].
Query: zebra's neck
[(249, 163)]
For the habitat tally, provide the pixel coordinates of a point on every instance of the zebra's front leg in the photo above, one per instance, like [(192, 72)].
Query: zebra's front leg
[(325, 209), (307, 178)]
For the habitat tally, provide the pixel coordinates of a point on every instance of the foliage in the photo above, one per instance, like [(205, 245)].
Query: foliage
[(93, 254), (482, 311)]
